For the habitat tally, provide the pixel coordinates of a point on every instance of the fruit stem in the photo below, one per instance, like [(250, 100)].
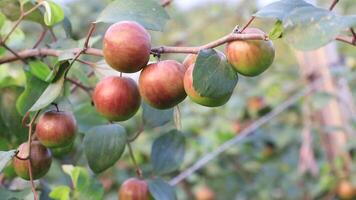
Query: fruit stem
[(138, 170), (55, 105), (177, 121)]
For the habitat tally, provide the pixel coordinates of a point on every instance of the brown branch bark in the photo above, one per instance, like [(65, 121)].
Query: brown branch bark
[(28, 53), (216, 43), (166, 3), (346, 39), (333, 4)]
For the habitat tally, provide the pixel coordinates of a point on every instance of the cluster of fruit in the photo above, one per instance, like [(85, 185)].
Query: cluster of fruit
[(164, 84), (55, 132)]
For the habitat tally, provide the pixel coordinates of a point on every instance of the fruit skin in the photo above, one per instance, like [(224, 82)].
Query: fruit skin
[(204, 193), (127, 46), (117, 98), (56, 129), (134, 189), (41, 160), (196, 97), (250, 58), (190, 60), (346, 190), (161, 84)]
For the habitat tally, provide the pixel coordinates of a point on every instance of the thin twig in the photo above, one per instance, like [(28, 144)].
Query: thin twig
[(138, 170), (90, 33), (333, 4), (40, 38), (246, 132), (177, 120), (18, 21), (346, 39), (248, 24), (353, 35), (138, 133), (14, 53), (78, 84), (166, 3), (54, 37), (228, 38), (33, 187)]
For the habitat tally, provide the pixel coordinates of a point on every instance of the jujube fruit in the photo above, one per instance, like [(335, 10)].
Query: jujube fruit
[(56, 129), (345, 190), (134, 189), (161, 84), (117, 98), (250, 57), (204, 193), (40, 157), (127, 46), (191, 91)]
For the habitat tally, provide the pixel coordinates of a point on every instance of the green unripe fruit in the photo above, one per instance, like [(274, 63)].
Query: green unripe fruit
[(40, 157), (252, 57)]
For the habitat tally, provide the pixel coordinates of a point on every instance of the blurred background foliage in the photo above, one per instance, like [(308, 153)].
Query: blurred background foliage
[(263, 166)]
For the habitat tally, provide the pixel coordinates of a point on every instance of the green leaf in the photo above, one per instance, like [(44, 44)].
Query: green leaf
[(67, 27), (39, 69), (60, 193), (9, 115), (160, 190), (309, 27), (59, 69), (5, 157), (277, 31), (8, 81), (15, 195), (168, 152), (104, 145), (148, 13), (49, 95), (2, 19), (53, 13), (213, 76), (85, 187), (87, 117), (33, 90), (280, 9), (153, 117)]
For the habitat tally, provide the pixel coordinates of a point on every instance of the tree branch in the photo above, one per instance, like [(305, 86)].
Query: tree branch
[(218, 42), (28, 53), (346, 39), (166, 3), (333, 4)]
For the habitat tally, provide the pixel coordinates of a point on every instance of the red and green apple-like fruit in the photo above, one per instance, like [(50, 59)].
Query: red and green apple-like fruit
[(134, 189), (40, 157), (117, 98), (252, 57), (56, 129), (161, 84), (204, 193), (189, 60), (127, 46)]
